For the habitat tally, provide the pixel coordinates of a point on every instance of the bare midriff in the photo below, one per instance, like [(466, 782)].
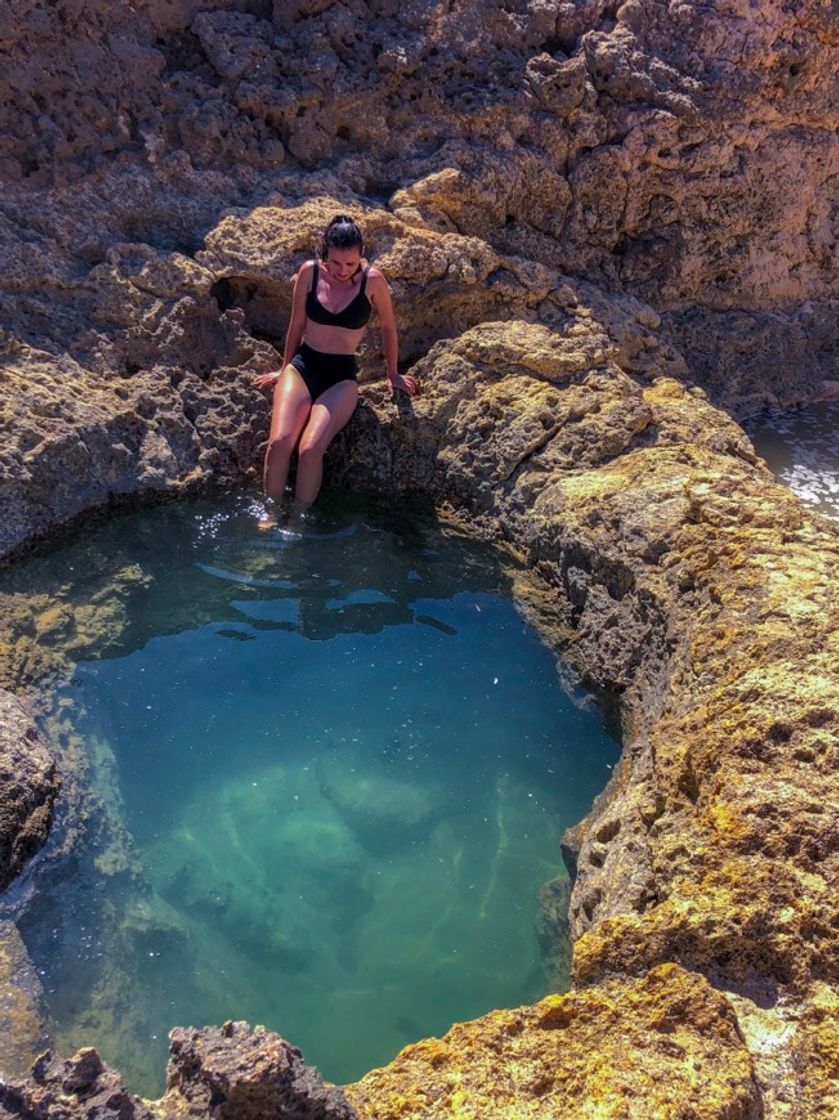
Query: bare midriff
[(332, 340)]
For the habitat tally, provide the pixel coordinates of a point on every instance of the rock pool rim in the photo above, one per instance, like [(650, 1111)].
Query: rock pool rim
[(638, 935)]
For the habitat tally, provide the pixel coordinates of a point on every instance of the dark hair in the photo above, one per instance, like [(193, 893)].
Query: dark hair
[(341, 233)]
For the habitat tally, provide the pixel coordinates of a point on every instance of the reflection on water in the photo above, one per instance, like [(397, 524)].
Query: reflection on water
[(801, 447), (343, 762)]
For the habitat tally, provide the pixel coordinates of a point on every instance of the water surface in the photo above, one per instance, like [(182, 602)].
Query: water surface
[(801, 447), (334, 766)]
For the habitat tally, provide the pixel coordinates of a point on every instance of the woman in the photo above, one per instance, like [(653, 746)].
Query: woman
[(316, 391)]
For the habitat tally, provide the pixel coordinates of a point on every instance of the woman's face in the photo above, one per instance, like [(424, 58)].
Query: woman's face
[(343, 263)]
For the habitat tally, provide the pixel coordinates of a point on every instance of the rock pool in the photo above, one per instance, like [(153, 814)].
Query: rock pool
[(329, 771)]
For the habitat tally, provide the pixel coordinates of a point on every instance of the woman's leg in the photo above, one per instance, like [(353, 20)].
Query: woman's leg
[(288, 418), (329, 414)]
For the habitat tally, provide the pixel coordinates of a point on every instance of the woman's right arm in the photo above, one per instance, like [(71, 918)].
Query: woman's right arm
[(296, 326)]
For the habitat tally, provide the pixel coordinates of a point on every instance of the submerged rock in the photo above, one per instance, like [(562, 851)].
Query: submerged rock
[(384, 813), (22, 1025), (553, 931)]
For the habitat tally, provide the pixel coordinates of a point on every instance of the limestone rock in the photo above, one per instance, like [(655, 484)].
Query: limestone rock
[(79, 1087), (235, 1072), (581, 209), (29, 785), (682, 153), (664, 1046), (700, 590), (689, 582), (219, 1072)]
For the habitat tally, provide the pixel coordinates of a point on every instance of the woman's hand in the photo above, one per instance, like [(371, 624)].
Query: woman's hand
[(268, 380), (407, 384)]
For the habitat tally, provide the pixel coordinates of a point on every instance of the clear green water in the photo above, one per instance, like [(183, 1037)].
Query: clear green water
[(343, 762)]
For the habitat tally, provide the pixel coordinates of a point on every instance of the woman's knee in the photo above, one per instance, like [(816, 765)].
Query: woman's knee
[(281, 445), (312, 448)]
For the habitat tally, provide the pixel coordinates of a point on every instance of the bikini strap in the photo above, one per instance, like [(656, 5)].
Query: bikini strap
[(363, 281), (314, 287)]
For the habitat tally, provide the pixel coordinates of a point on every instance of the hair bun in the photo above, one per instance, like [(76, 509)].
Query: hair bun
[(341, 233)]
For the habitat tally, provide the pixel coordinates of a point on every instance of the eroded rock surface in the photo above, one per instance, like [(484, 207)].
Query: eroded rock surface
[(686, 579), (22, 1031), (666, 1045), (29, 786), (227, 1073), (683, 153), (235, 1073), (582, 209), (157, 410), (697, 587)]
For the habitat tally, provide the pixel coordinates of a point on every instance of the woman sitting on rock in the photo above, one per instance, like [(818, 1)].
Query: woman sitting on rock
[(316, 391)]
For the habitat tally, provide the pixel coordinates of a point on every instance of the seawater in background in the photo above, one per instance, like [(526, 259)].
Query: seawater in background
[(801, 447), (343, 762)]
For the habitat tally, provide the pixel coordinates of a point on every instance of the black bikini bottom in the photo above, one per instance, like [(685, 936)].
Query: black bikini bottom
[(321, 371)]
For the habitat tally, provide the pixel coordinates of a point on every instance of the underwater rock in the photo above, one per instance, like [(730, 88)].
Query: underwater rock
[(553, 931), (43, 635), (22, 1027), (29, 785), (384, 814)]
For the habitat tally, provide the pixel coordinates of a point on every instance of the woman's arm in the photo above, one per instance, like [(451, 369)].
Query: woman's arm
[(296, 325), (379, 290), (298, 312)]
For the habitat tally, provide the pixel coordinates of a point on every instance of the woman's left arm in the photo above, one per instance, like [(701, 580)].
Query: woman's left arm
[(379, 290)]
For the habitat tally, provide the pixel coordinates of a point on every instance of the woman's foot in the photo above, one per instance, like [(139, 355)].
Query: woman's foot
[(298, 514), (270, 516)]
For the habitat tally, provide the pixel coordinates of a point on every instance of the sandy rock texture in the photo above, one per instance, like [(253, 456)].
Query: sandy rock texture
[(586, 211), (221, 1072), (114, 414), (684, 579), (22, 1035), (632, 1048), (683, 153)]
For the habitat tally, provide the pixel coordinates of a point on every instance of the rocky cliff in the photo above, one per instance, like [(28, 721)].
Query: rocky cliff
[(586, 212)]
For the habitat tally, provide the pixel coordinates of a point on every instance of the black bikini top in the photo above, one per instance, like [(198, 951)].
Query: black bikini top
[(356, 314)]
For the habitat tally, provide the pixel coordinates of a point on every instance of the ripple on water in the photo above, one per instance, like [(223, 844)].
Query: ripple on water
[(801, 448), (339, 766)]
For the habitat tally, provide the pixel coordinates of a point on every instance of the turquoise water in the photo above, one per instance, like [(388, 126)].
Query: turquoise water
[(336, 765)]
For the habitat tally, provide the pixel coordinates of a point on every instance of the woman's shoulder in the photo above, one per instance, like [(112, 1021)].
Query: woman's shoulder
[(305, 269), (377, 278)]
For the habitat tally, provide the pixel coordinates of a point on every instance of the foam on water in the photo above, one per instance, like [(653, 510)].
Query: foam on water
[(337, 765)]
